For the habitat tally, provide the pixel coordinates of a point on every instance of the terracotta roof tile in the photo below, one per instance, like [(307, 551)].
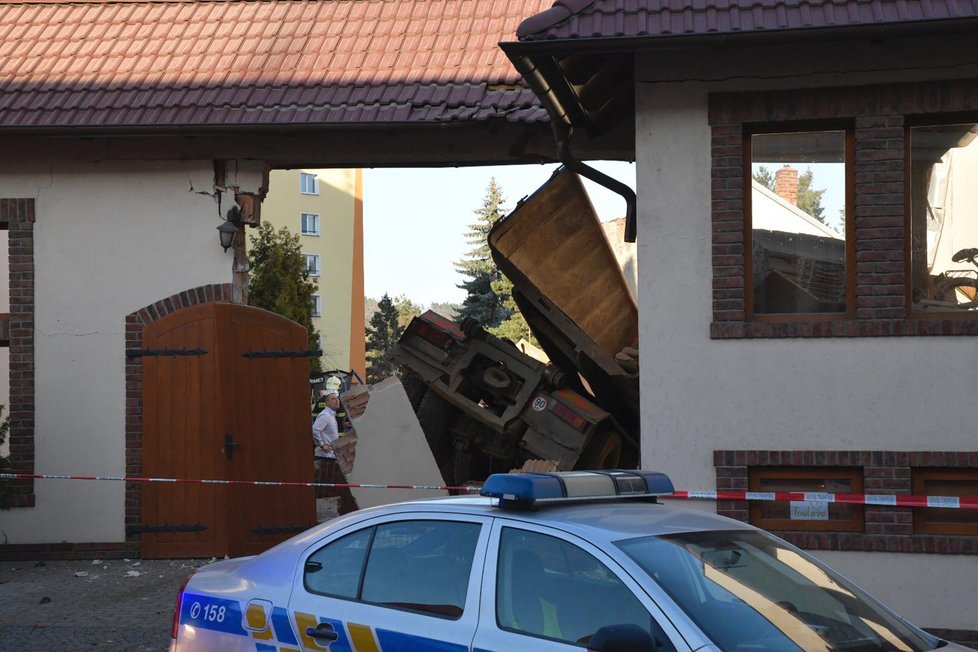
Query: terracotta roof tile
[(579, 19), (145, 63)]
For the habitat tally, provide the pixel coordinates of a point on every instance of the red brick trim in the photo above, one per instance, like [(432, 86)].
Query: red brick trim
[(135, 323), (879, 114), (53, 551), (888, 529), (17, 217)]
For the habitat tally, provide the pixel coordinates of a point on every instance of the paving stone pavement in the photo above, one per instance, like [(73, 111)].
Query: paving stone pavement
[(112, 604)]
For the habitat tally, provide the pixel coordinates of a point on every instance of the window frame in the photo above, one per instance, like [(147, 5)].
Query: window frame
[(756, 474), (766, 128), (317, 305), (919, 477), (910, 122), (318, 269), (315, 183), (317, 219)]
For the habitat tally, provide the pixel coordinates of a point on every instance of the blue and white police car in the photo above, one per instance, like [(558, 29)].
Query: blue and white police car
[(540, 562)]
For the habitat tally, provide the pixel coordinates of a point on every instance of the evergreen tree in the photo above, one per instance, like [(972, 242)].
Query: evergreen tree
[(382, 336), (279, 281), (809, 199), (482, 303), (514, 328), (406, 310)]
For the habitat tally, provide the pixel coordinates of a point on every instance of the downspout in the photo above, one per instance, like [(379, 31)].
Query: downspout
[(562, 134)]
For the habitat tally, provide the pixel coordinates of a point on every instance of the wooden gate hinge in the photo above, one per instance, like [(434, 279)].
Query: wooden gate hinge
[(148, 529), (281, 529), (311, 353), (141, 353)]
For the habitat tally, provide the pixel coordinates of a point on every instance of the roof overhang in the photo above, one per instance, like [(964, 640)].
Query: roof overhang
[(589, 83)]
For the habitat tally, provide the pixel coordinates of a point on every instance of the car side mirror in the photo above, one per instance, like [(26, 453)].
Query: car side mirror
[(621, 638)]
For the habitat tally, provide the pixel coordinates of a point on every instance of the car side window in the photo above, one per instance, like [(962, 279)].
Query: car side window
[(421, 566), (550, 588), (335, 569)]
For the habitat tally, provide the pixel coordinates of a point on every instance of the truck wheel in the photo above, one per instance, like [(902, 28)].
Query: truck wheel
[(602, 452), (415, 389), (435, 415)]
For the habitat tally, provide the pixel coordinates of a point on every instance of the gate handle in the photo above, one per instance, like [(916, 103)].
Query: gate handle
[(229, 446), (324, 632)]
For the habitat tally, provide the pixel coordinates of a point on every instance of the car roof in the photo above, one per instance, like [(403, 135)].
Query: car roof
[(599, 521)]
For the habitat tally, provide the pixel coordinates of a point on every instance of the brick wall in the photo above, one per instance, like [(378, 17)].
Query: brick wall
[(878, 116), (17, 217), (887, 529)]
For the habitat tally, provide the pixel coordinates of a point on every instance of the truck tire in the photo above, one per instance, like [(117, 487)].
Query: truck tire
[(435, 416), (415, 389), (602, 452)]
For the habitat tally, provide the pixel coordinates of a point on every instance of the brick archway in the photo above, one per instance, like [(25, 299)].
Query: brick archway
[(135, 323)]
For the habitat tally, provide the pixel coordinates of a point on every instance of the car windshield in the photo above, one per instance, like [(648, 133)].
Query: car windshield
[(748, 591)]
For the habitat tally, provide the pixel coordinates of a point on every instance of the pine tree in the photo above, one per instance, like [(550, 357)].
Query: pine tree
[(279, 281), (406, 310), (514, 328), (382, 336), (482, 303), (809, 199)]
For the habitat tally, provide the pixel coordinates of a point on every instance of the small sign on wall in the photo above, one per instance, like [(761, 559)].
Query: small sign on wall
[(809, 510)]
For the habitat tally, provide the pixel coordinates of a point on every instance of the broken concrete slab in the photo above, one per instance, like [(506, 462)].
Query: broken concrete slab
[(391, 449)]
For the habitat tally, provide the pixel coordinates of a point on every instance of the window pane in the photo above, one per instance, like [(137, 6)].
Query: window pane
[(335, 569), (944, 217), (550, 588), (307, 184), (798, 222), (747, 591), (310, 224), (422, 566), (814, 514), (945, 482), (807, 510), (312, 264)]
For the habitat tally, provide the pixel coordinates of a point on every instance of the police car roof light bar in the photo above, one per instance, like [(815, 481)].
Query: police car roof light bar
[(529, 489)]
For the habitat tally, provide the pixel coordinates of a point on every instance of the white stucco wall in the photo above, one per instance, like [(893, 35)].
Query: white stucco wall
[(109, 239), (698, 394)]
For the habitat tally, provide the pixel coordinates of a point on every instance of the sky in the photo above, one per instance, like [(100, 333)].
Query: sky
[(415, 220)]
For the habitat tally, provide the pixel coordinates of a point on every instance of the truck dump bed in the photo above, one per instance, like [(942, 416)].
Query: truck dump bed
[(571, 289)]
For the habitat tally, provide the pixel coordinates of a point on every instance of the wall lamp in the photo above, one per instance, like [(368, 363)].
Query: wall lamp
[(229, 228)]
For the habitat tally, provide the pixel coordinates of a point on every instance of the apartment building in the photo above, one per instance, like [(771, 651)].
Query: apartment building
[(325, 208)]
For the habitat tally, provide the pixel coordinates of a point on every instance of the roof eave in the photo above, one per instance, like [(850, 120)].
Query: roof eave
[(535, 58)]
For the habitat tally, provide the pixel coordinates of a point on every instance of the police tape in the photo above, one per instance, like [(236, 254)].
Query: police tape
[(260, 483), (882, 500)]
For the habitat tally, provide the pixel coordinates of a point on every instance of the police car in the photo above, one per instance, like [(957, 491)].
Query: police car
[(540, 562)]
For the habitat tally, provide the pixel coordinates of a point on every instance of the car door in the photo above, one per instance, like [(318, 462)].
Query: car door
[(549, 591), (399, 582)]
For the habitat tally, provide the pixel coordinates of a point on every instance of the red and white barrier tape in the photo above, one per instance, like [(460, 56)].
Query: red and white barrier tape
[(886, 500), (262, 483)]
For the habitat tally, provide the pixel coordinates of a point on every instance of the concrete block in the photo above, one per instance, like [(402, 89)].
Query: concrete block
[(391, 449)]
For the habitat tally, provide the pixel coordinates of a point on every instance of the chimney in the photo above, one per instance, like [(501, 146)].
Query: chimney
[(786, 184)]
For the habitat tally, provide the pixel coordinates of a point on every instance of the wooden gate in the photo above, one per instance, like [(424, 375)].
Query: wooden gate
[(226, 397)]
